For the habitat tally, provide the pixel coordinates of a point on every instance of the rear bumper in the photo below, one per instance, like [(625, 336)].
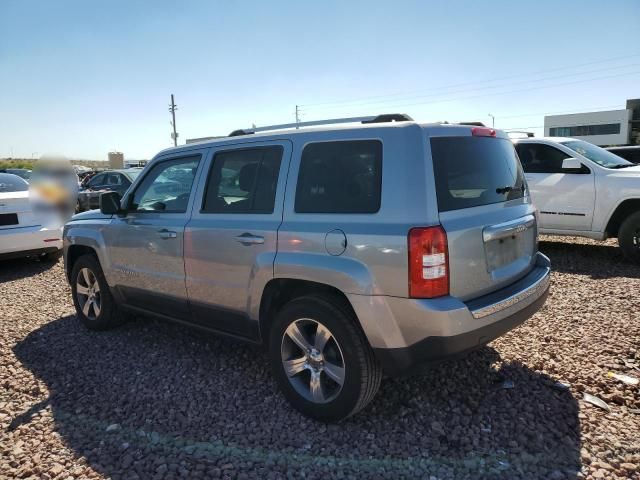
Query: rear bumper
[(24, 241), (407, 333)]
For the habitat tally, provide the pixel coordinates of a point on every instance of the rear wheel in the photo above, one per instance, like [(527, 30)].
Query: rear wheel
[(321, 360), (629, 237), (95, 306)]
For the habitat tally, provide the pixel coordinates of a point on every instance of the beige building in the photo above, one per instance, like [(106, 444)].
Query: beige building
[(116, 160)]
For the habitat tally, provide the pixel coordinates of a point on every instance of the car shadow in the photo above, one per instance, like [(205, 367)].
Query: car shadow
[(594, 260), (18, 268), (151, 398)]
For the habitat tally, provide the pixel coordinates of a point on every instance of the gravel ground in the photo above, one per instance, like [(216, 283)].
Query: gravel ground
[(155, 400)]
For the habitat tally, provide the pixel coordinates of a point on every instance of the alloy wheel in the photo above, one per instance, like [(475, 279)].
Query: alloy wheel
[(88, 293), (312, 360)]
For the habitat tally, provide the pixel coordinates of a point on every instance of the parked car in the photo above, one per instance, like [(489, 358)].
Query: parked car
[(630, 153), (109, 181), (21, 234), (23, 173), (347, 251), (583, 190)]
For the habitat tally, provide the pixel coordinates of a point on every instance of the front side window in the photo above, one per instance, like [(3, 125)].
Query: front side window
[(243, 181), (602, 157), (340, 177), (167, 186), (538, 158)]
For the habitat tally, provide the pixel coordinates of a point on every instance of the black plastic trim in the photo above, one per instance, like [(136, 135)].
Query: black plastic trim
[(432, 350)]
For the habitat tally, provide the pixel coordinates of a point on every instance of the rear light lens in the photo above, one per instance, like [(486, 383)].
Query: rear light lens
[(428, 262), (483, 132)]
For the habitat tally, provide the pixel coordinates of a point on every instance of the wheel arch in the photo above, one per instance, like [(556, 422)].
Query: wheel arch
[(78, 241), (279, 291), (621, 212)]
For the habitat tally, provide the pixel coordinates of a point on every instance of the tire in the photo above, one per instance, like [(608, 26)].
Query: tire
[(308, 319), (629, 237), (104, 314)]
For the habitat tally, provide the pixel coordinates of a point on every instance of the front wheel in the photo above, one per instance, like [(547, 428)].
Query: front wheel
[(95, 306), (321, 360), (629, 237)]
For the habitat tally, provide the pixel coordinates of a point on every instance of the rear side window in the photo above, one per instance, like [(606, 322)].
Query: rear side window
[(474, 171), (243, 181), (340, 177)]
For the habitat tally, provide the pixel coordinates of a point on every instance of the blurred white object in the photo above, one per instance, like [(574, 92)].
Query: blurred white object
[(54, 191), (21, 233)]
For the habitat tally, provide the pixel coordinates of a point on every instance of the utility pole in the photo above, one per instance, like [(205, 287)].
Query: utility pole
[(493, 120), (172, 108), (297, 116)]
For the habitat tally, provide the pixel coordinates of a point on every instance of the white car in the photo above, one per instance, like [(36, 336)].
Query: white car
[(21, 235), (583, 190)]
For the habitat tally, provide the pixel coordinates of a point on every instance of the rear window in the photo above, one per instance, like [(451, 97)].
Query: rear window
[(340, 177), (474, 171)]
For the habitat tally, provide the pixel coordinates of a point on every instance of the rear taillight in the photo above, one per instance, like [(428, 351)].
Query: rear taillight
[(428, 262), (483, 132)]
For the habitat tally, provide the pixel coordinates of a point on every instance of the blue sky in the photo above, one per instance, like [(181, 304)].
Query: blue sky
[(81, 78)]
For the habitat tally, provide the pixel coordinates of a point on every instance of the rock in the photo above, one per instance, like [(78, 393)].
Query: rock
[(113, 428)]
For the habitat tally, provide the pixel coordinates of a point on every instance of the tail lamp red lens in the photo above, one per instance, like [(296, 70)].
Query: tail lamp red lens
[(428, 262), (483, 132)]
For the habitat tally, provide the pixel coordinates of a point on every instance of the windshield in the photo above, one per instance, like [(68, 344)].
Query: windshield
[(133, 174), (12, 183), (602, 157)]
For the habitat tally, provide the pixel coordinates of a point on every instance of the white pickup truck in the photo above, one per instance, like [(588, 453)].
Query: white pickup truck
[(583, 190)]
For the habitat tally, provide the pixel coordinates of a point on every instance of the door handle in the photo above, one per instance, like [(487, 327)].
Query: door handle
[(249, 239), (164, 233)]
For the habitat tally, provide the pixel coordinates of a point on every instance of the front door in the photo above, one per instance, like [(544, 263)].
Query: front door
[(147, 244), (564, 198), (231, 239)]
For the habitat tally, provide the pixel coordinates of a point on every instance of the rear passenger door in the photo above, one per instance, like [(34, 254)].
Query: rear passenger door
[(231, 239)]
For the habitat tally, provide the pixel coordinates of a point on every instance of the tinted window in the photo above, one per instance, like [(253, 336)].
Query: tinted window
[(473, 171), (243, 181), (114, 179), (585, 130), (167, 186), (538, 158), (340, 177), (97, 180), (12, 183)]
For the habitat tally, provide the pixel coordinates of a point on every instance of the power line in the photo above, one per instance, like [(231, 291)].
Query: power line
[(475, 82), (489, 87), (568, 112), (540, 87)]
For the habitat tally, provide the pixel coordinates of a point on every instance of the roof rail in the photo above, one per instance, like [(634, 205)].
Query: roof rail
[(473, 124), (388, 117)]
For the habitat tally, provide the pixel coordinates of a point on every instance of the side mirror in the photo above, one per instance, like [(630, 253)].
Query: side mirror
[(571, 164), (110, 203)]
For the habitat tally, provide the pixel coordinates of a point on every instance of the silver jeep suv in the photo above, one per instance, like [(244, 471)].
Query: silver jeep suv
[(348, 251)]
